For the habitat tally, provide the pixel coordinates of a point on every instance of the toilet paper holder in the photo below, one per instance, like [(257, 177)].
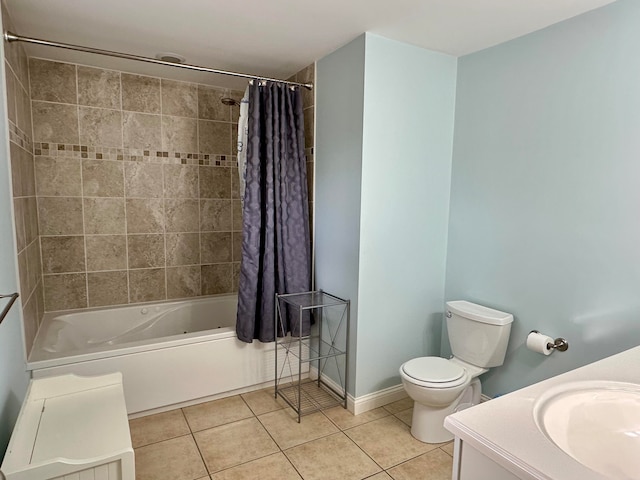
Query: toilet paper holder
[(559, 343)]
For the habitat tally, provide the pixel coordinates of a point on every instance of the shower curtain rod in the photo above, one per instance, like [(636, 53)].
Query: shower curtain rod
[(12, 37)]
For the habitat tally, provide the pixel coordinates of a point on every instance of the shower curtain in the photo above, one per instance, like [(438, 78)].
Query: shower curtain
[(276, 251)]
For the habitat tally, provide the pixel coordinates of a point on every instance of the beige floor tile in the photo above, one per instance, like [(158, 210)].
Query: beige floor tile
[(283, 426), (399, 406), (156, 428), (273, 467), (380, 476), (177, 459), (263, 401), (345, 419), (405, 415), (388, 441), (234, 443), (335, 457), (435, 465), (448, 448), (218, 412)]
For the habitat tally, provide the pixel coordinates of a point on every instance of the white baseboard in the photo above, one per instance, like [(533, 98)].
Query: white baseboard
[(366, 402)]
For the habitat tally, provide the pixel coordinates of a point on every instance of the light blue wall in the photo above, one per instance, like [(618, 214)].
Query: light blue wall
[(384, 135), (545, 196), (409, 99), (338, 155), (13, 375)]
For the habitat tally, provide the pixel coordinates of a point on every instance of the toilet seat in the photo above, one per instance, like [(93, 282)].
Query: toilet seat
[(434, 372)]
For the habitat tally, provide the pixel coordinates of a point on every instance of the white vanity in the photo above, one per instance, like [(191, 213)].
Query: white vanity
[(581, 425)]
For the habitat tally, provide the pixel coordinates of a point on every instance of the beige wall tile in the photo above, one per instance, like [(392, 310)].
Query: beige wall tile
[(236, 212), (23, 272), (183, 282), (52, 81), (143, 180), (179, 98), (34, 265), (145, 215), (140, 94), (214, 137), (215, 247), (23, 110), (58, 176), (179, 134), (102, 178), (106, 252), (215, 215), (19, 209), (98, 87), (60, 216), (66, 291), (104, 216), (215, 182), (141, 130), (175, 459), (181, 214), (235, 276), (180, 181), (308, 127), (159, 427), (30, 319), (147, 285), (145, 251), (234, 443), (54, 122), (31, 227), (39, 294), (236, 245), (216, 279), (10, 82), (209, 105), (16, 156), (27, 173), (182, 249), (100, 127), (63, 254), (235, 183), (107, 288)]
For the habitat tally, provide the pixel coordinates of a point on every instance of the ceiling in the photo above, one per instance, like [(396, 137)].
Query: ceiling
[(273, 38)]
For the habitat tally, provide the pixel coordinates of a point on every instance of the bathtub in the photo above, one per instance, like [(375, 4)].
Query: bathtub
[(170, 353)]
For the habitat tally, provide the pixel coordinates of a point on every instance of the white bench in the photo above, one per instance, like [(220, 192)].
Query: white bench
[(71, 428)]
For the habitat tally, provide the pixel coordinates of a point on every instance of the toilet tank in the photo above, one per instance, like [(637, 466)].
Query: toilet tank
[(478, 335)]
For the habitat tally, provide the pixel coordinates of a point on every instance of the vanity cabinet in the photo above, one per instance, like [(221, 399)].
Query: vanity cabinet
[(470, 464)]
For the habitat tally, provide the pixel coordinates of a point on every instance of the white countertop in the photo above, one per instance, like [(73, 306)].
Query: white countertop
[(504, 429)]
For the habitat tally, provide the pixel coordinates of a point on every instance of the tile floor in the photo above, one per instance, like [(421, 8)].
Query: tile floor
[(253, 436)]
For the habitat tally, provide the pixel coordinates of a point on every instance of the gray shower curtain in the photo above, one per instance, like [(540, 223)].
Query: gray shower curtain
[(276, 251)]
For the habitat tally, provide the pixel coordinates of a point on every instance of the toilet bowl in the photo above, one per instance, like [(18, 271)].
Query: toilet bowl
[(439, 387)]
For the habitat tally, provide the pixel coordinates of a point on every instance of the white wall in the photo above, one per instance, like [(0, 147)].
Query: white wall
[(384, 133), (338, 155), (545, 196)]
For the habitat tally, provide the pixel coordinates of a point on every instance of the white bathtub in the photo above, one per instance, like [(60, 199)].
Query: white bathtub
[(170, 353)]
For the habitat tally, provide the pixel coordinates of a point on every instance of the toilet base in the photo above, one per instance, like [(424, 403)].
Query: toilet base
[(427, 424)]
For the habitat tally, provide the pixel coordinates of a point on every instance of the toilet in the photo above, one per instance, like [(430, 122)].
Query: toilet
[(439, 387)]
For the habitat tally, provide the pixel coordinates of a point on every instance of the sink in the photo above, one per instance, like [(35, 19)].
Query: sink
[(595, 422)]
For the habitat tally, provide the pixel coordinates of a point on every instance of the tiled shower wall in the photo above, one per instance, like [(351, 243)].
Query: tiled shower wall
[(136, 186), (23, 184)]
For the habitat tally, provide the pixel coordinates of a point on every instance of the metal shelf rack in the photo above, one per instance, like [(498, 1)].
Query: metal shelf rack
[(324, 350)]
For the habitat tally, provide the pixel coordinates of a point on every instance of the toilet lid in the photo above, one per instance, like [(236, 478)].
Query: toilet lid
[(433, 370)]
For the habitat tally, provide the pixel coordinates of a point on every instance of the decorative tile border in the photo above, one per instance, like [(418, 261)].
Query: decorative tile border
[(132, 155), (18, 137)]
